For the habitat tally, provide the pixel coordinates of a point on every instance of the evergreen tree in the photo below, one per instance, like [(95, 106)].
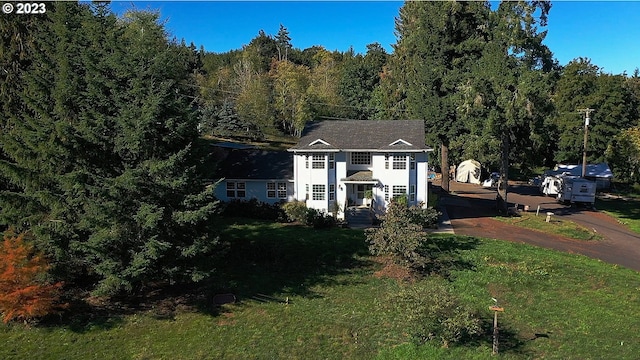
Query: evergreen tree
[(575, 90), (261, 51), (510, 90), (102, 163), (582, 85), (437, 44), (283, 42), (360, 76)]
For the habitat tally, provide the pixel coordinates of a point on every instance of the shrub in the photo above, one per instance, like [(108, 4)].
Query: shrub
[(319, 219), (24, 292), (399, 237), (402, 199), (427, 218), (295, 211), (435, 313)]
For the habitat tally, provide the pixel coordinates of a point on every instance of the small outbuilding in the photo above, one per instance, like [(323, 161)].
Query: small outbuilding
[(469, 171)]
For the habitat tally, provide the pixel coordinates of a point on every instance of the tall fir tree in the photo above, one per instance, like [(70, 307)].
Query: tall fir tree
[(509, 93), (102, 165), (437, 44)]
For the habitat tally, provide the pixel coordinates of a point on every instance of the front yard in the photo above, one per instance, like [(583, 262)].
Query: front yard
[(341, 305)]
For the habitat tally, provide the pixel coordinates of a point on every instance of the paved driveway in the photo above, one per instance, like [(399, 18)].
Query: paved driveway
[(471, 208)]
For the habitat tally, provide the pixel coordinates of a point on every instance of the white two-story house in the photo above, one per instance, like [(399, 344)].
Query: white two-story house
[(360, 162)]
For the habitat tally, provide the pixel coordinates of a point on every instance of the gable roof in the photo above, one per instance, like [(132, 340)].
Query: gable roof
[(365, 135), (256, 164)]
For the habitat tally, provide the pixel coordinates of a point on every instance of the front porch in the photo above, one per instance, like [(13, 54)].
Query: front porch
[(360, 188)]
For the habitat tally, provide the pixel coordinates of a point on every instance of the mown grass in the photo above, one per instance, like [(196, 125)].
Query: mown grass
[(626, 211), (557, 305), (555, 226)]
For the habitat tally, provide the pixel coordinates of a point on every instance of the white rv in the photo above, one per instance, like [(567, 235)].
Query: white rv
[(551, 185), (577, 190)]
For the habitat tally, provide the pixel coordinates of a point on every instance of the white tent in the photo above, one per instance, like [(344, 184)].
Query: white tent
[(468, 172)]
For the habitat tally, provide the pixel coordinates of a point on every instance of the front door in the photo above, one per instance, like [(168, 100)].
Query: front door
[(361, 190)]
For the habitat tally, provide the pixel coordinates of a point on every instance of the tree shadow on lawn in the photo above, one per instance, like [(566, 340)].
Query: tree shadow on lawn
[(272, 261), (443, 250), (628, 209), (159, 301), (285, 260)]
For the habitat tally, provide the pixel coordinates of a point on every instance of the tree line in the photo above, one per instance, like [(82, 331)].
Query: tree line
[(102, 160), (480, 77)]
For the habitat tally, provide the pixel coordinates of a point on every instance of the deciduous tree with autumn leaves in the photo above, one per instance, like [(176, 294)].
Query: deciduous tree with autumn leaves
[(25, 292)]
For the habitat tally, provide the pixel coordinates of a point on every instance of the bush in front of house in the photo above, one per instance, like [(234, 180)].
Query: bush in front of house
[(319, 219), (399, 237), (295, 211), (254, 209)]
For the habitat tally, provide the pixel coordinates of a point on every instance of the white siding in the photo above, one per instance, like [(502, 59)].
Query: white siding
[(390, 177), (341, 173), (422, 189), (308, 176)]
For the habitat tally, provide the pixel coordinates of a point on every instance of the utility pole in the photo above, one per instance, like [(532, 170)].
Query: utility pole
[(586, 113)]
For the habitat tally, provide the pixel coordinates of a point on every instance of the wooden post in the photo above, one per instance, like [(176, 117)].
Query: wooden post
[(495, 309)]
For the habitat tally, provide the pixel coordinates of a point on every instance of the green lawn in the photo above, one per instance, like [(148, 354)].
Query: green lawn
[(555, 226), (557, 306), (626, 211)]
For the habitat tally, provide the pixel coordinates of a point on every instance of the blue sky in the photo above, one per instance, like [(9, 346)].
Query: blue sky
[(607, 32)]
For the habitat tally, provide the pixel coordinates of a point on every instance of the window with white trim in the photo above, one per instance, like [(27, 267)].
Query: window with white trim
[(282, 190), (306, 161), (412, 161), (386, 161), (399, 162), (332, 192), (236, 189), (332, 160), (386, 192), (317, 161), (412, 193), (399, 190), (318, 192), (360, 158), (277, 190)]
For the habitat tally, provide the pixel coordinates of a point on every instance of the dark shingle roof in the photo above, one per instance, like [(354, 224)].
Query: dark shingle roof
[(256, 164), (363, 135), (359, 176)]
